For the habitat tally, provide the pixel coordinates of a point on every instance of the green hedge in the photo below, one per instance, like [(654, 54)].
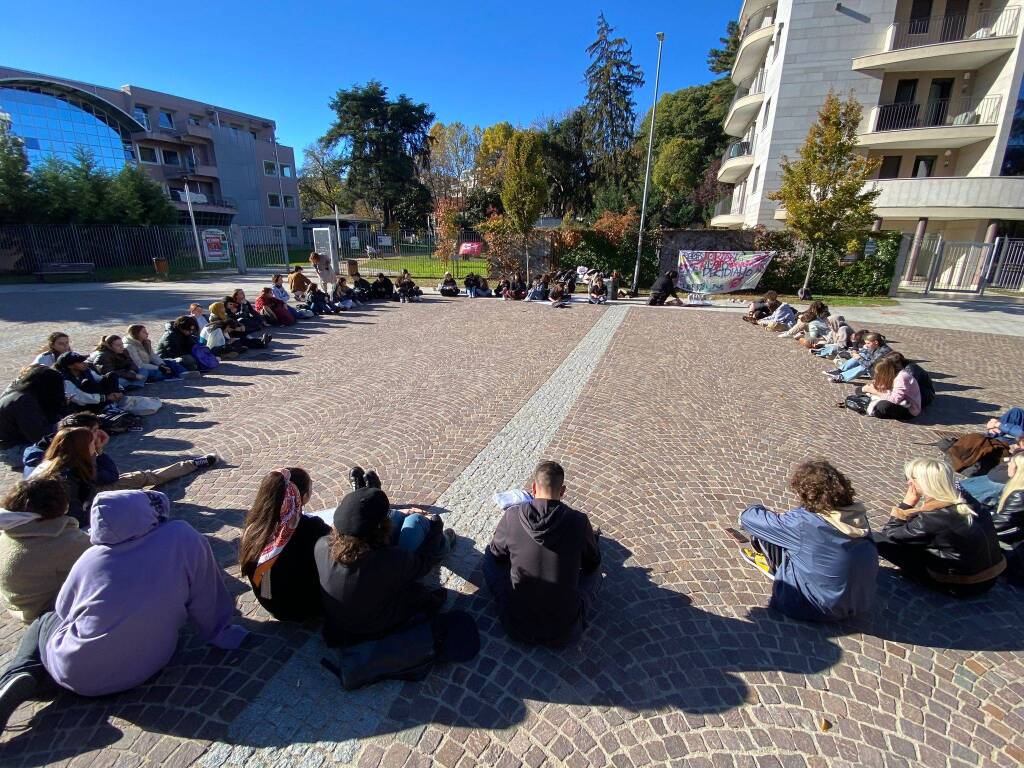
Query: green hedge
[(596, 252), (868, 276)]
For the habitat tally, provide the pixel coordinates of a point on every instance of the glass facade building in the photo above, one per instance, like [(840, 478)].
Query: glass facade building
[(55, 121), (1013, 160)]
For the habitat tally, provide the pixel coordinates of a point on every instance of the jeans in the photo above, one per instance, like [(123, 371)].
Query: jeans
[(130, 383), (29, 656), (152, 374), (851, 369), (829, 350), (186, 362), (984, 490), (411, 532), (176, 368)]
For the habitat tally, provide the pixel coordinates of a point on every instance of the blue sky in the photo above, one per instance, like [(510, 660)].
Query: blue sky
[(478, 62)]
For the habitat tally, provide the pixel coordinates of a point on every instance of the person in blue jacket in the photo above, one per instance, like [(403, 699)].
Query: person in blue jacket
[(820, 555)]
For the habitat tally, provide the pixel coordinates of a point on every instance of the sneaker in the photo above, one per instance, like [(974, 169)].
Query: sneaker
[(356, 478), (835, 378), (16, 691), (372, 479), (833, 372), (758, 560), (205, 462)]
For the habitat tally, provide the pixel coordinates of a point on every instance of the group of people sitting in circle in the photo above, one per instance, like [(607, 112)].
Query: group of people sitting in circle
[(893, 387), (104, 606), (556, 289)]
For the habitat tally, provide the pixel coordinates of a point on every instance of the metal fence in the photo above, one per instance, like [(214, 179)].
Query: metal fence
[(936, 264), (412, 250), (1008, 270)]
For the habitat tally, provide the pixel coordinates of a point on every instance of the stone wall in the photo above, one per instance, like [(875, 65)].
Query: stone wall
[(672, 241)]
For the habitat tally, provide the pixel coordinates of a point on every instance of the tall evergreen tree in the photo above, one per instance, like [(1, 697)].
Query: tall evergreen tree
[(17, 200), (720, 60), (612, 77)]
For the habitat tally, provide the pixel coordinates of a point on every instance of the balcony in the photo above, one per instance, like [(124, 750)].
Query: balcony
[(728, 215), (945, 123), (754, 42), (191, 170), (736, 162), (946, 197), (946, 42), (193, 134), (201, 201), (745, 106)]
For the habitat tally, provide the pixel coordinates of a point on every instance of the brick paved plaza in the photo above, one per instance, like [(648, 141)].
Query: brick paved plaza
[(668, 422)]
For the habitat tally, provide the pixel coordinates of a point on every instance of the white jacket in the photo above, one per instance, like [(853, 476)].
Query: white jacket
[(140, 355)]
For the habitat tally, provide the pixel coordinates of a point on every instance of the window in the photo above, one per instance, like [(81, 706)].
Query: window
[(148, 155), (293, 232), (777, 44), (171, 157), (141, 114), (253, 134), (764, 116), (235, 127), (1013, 160), (289, 201), (890, 168), (166, 119), (757, 173), (274, 201), (269, 169), (195, 120), (923, 166), (286, 171)]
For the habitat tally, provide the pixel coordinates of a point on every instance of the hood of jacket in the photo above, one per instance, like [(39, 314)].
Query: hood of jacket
[(851, 520), (29, 525), (542, 518), (120, 516)]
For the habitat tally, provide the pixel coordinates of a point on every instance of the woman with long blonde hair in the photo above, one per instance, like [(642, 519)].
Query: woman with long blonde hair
[(935, 536)]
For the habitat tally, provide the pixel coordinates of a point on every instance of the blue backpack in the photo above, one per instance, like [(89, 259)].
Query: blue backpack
[(205, 359)]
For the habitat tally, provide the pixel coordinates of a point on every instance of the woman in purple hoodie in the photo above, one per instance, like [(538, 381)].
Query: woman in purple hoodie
[(118, 615)]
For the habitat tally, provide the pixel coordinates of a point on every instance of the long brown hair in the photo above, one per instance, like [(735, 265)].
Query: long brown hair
[(134, 331), (886, 371), (48, 346), (348, 549), (265, 513), (71, 449)]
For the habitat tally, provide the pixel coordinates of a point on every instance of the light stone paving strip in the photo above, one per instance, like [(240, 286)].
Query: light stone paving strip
[(302, 716)]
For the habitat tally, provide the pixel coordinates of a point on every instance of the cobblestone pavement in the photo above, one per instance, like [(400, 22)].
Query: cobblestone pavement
[(668, 422)]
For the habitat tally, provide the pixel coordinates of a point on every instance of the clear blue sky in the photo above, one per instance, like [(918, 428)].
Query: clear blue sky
[(478, 62)]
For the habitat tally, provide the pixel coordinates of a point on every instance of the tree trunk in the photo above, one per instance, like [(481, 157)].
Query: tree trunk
[(807, 278), (526, 247)]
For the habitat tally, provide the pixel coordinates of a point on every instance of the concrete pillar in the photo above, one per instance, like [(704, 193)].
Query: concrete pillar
[(992, 232), (877, 225), (915, 248)]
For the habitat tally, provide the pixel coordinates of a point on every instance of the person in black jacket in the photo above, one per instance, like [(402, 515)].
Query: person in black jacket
[(1008, 517), (543, 564), (370, 585), (362, 288), (664, 287), (29, 410), (176, 344), (924, 381), (940, 536), (276, 550), (383, 288)]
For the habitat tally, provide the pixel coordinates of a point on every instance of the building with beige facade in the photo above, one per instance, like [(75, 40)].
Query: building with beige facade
[(940, 81), (231, 163)]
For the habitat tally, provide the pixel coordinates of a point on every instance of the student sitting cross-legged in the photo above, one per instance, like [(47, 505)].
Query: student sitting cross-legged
[(820, 555), (117, 617), (543, 564)]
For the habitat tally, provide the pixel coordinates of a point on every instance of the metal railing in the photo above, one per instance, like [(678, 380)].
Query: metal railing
[(947, 29), (1009, 271), (200, 198), (738, 149), (763, 18), (756, 86), (936, 113)]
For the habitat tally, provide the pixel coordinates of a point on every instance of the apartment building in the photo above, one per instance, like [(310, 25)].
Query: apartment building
[(235, 170), (940, 81)]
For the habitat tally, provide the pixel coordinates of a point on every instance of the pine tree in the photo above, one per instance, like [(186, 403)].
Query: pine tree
[(16, 192), (525, 188), (720, 60), (612, 77)]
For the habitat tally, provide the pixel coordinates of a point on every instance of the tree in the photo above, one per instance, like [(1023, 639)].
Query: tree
[(720, 60), (136, 199), (489, 170), (824, 190), (17, 198), (453, 151), (612, 77), (321, 186), (567, 165), (525, 189), (381, 144)]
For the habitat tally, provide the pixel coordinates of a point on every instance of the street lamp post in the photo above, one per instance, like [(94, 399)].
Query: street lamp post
[(647, 173)]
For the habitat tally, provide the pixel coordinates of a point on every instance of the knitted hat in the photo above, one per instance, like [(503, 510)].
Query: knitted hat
[(361, 512)]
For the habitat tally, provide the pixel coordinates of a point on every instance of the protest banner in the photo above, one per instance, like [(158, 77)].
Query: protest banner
[(706, 272)]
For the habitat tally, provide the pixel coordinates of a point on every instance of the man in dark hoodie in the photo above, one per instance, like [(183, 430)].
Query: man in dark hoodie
[(543, 564)]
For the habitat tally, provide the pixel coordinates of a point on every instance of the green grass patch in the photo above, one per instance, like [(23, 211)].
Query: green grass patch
[(831, 300)]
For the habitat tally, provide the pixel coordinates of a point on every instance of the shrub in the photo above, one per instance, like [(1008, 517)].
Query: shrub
[(868, 276)]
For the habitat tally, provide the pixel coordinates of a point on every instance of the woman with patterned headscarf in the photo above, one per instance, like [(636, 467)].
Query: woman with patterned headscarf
[(276, 552)]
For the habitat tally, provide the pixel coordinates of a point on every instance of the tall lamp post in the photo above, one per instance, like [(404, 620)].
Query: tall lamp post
[(647, 173)]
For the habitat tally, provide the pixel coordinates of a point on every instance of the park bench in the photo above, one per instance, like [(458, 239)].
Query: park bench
[(64, 268)]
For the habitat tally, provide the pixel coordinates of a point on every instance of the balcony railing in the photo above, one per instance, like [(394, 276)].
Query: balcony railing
[(936, 113), (198, 198), (737, 149), (724, 206), (947, 29), (761, 19), (756, 86)]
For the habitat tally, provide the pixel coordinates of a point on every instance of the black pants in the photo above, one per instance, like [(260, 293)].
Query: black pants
[(657, 300), (913, 563), (773, 552), (887, 410), (29, 656)]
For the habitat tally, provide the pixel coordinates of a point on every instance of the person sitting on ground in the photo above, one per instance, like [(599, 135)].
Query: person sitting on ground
[(242, 311), (894, 392), (57, 343), (781, 319), (38, 545), (140, 349), (558, 297), (197, 313), (278, 289), (664, 287), (215, 336), (762, 308), (320, 303), (598, 291), (503, 287), (237, 329), (471, 282), (324, 271), (276, 550), (344, 296), (814, 317), (370, 584), (924, 381), (106, 469), (71, 458), (110, 357), (940, 537), (383, 288), (820, 555), (538, 291), (483, 288), (117, 618), (516, 290), (86, 389), (448, 287), (407, 289), (839, 338), (861, 362), (180, 336), (298, 283), (1009, 427), (29, 410), (362, 288), (543, 565), (272, 309)]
